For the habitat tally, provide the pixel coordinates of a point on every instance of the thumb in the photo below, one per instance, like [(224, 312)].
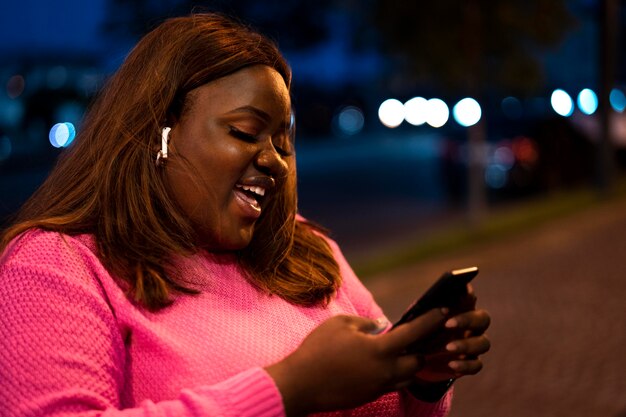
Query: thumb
[(370, 326), (400, 337)]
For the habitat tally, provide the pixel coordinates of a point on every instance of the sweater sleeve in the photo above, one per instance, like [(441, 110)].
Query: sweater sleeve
[(63, 354), (416, 408)]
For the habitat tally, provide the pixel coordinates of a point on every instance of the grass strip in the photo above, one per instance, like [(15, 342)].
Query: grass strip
[(500, 222)]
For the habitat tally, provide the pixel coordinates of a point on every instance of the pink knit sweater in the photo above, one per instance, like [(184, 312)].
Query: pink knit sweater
[(72, 343)]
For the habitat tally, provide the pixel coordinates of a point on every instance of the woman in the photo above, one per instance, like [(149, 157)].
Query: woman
[(161, 268)]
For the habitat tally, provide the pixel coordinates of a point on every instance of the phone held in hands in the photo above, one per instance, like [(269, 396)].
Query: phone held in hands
[(451, 286), (445, 292)]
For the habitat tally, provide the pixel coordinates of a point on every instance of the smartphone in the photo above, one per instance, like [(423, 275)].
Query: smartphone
[(445, 292), (451, 286)]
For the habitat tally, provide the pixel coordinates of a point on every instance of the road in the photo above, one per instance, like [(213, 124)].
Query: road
[(557, 297)]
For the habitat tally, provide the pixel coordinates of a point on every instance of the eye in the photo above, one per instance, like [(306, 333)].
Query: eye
[(282, 151), (285, 149), (251, 138), (240, 134)]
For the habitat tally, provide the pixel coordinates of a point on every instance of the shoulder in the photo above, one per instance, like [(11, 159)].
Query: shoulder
[(47, 249), (47, 262), (48, 275)]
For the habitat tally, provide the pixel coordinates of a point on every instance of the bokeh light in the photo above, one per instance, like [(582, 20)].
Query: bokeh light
[(525, 150), (350, 120), (496, 176), (416, 110), (512, 108), (15, 86), (62, 134), (391, 113), (587, 101), (504, 156), (11, 112), (467, 112), (618, 100), (562, 103), (437, 113)]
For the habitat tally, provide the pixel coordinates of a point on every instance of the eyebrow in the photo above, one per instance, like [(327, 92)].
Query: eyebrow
[(262, 115)]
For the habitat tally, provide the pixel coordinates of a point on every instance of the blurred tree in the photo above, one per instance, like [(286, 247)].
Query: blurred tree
[(294, 24), (462, 44), (608, 13), (471, 47)]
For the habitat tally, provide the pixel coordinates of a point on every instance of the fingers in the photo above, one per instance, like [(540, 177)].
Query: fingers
[(470, 347), (470, 289), (476, 321), (471, 295), (399, 338), (466, 367)]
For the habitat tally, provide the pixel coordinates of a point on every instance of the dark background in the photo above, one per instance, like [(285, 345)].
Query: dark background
[(554, 289), (362, 179)]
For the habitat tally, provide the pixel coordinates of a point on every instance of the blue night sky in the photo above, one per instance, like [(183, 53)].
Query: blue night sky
[(29, 28), (59, 25)]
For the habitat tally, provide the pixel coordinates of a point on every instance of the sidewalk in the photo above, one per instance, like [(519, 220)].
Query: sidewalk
[(556, 294)]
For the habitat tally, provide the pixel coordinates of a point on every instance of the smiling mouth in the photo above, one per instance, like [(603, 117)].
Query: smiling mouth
[(251, 194)]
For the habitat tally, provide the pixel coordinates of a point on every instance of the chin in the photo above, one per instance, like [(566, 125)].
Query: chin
[(238, 245), (232, 242)]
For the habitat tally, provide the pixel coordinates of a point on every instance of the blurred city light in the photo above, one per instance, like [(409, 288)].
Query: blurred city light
[(504, 157), (416, 110), (15, 86), (512, 107), (467, 112), (562, 103), (587, 101), (525, 150), (391, 113), (437, 113), (618, 100), (350, 120), (62, 134), (496, 176), (11, 112)]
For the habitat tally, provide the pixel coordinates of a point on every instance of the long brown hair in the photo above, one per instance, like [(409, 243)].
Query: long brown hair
[(107, 183)]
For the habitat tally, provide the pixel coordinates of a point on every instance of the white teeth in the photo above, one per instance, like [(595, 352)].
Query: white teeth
[(256, 190)]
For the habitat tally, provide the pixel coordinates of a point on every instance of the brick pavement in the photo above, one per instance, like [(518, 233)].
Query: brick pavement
[(557, 296)]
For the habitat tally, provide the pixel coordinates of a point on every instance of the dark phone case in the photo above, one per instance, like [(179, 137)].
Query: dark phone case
[(449, 287)]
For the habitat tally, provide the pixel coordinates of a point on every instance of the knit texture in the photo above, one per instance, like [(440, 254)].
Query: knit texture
[(72, 343)]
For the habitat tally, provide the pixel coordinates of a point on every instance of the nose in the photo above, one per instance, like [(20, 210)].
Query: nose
[(270, 162)]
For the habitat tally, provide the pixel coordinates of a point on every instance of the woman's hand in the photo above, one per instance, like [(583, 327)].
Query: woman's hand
[(459, 354), (343, 364), (455, 351)]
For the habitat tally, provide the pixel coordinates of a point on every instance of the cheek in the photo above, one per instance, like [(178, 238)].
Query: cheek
[(201, 180), (207, 165), (187, 190)]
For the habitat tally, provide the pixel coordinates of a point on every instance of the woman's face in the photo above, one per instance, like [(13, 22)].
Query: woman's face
[(229, 154)]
